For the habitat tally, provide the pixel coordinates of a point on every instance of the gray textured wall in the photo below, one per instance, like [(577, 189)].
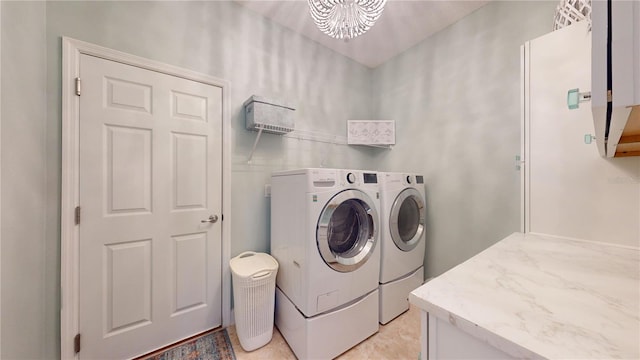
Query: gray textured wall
[(222, 39), (456, 101), (25, 257), (465, 145), (256, 56)]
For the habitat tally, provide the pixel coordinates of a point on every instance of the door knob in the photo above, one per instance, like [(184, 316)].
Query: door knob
[(211, 219)]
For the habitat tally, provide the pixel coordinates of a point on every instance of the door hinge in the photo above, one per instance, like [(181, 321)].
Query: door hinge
[(76, 344), (609, 96), (78, 86), (519, 162), (77, 215)]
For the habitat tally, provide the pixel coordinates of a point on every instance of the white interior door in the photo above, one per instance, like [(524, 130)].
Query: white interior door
[(150, 173)]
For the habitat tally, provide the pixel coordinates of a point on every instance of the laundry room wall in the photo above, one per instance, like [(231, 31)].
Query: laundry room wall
[(256, 56), (222, 39), (456, 101), (29, 306)]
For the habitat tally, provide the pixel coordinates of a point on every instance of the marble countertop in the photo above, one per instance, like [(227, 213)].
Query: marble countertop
[(535, 296)]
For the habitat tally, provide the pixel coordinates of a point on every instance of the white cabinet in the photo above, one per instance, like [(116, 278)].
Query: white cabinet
[(532, 297), (566, 183), (446, 341), (615, 76)]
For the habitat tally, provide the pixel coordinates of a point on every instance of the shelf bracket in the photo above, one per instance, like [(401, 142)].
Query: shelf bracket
[(255, 143)]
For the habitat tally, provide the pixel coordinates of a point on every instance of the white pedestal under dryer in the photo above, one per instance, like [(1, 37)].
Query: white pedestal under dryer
[(402, 240), (324, 234)]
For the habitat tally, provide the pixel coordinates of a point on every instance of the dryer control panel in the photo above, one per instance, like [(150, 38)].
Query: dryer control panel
[(370, 178), (413, 179), (358, 178)]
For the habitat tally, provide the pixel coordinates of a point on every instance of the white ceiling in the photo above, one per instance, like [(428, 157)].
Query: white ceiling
[(402, 25)]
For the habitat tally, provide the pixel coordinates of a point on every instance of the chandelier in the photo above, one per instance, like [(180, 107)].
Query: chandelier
[(345, 19), (571, 11)]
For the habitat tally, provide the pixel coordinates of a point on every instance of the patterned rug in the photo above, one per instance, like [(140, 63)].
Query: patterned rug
[(209, 346)]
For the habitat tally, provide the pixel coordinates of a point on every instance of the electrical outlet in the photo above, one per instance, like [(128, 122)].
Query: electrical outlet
[(267, 190)]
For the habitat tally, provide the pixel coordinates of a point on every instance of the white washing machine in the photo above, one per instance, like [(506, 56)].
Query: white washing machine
[(402, 241), (324, 234)]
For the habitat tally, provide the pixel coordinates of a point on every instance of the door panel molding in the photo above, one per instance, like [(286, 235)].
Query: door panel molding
[(69, 247)]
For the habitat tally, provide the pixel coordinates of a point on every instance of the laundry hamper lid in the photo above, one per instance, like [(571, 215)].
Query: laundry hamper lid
[(250, 263)]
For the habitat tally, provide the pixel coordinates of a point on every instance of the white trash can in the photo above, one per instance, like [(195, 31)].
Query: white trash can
[(254, 286)]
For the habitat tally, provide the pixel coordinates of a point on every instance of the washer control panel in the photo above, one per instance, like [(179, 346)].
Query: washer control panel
[(321, 178)]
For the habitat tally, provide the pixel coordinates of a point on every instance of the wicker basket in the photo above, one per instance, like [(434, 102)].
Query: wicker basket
[(254, 285)]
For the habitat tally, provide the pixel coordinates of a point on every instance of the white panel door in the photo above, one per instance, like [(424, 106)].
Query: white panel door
[(573, 192), (150, 172)]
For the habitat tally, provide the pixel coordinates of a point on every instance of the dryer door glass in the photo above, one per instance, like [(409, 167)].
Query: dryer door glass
[(347, 230), (406, 222)]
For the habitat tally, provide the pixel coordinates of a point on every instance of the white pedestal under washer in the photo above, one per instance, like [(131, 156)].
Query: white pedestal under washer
[(402, 241), (324, 234)]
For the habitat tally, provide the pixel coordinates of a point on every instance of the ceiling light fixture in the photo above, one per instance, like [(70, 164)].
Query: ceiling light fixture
[(345, 19), (571, 11)]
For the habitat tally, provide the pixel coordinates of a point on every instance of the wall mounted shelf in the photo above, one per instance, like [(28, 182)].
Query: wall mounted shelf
[(377, 133), (265, 115)]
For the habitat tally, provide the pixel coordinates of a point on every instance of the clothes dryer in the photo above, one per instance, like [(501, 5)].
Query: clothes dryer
[(324, 234), (402, 219)]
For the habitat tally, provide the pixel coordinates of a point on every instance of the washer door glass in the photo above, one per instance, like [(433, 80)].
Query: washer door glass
[(347, 230), (406, 222)]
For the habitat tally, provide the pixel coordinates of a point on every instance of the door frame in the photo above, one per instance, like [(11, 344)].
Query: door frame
[(525, 195), (69, 231), (0, 183)]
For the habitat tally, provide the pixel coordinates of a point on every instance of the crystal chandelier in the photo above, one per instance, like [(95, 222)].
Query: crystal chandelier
[(572, 11), (345, 19)]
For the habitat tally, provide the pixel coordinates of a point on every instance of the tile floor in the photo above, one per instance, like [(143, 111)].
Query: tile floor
[(399, 339)]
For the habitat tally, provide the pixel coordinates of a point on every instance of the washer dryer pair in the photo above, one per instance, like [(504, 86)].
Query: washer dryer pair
[(402, 241), (324, 234)]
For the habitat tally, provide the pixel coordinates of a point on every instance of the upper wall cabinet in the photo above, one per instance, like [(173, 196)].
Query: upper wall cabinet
[(615, 76)]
